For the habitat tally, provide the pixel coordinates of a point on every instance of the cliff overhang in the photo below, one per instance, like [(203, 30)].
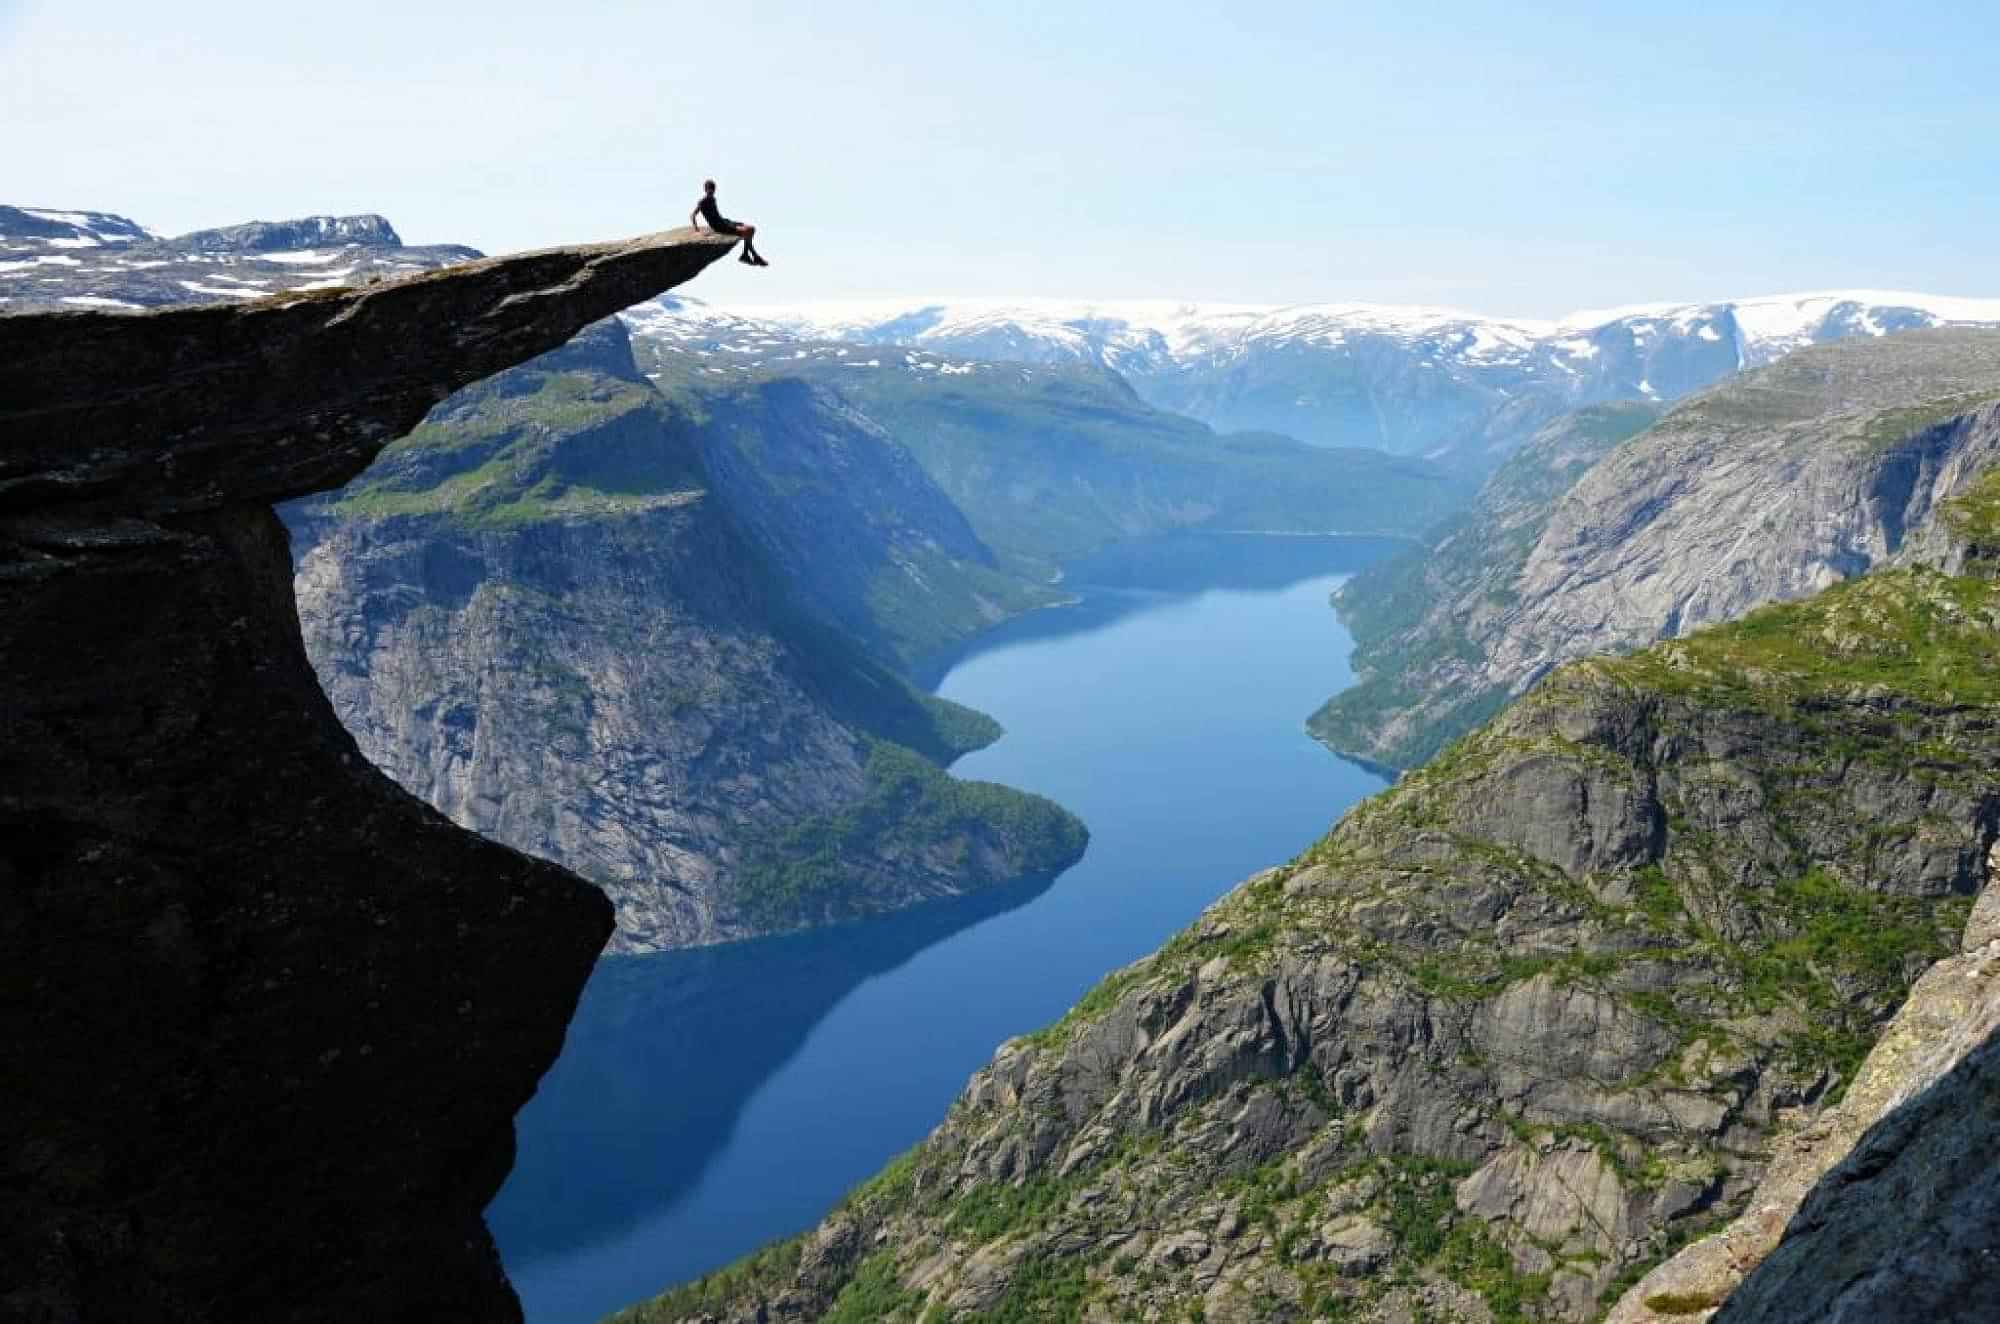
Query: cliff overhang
[(272, 1015)]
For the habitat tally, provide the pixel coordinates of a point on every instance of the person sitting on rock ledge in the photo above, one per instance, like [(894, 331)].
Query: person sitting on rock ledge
[(707, 211)]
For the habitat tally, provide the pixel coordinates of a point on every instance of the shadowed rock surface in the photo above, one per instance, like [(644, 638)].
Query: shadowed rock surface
[(1951, 1012), (189, 409), (271, 1016), (1906, 1230)]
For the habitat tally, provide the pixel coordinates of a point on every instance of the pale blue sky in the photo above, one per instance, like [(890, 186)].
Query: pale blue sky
[(1520, 158)]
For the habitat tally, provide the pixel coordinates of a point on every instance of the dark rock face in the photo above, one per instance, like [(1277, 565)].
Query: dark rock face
[(196, 408), (1930, 1164), (270, 1016), (1909, 1135)]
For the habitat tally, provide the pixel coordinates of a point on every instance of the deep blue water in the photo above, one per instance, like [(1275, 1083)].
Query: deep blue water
[(710, 1101)]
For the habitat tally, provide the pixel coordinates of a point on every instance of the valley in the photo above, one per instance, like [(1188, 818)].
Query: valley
[(711, 1101), (1678, 622)]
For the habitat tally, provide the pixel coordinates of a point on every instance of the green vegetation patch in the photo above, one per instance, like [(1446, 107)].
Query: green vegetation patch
[(761, 1273), (806, 872), (873, 1294), (1682, 1303), (1916, 633), (530, 446), (1975, 514), (1893, 426)]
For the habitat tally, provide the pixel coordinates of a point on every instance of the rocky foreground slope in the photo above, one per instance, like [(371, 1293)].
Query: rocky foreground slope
[(1514, 1032), (272, 1015), (1820, 467)]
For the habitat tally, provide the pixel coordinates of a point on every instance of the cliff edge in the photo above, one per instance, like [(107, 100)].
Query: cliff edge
[(270, 1016)]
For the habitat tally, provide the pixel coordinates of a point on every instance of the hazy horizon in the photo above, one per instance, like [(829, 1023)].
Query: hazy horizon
[(1511, 161)]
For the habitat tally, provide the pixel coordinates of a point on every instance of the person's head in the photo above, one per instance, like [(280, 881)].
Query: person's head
[(708, 186)]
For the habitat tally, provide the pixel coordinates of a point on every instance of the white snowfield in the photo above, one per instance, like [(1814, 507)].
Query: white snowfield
[(302, 257), (1173, 331)]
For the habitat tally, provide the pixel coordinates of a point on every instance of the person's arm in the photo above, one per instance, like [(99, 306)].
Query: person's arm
[(694, 217)]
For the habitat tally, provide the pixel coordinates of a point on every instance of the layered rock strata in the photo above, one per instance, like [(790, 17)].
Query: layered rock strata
[(270, 1016)]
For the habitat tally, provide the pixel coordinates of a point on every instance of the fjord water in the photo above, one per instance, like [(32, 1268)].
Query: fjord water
[(713, 1100)]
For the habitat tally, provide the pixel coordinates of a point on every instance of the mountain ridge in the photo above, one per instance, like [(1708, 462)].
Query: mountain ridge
[(1768, 487), (1409, 379)]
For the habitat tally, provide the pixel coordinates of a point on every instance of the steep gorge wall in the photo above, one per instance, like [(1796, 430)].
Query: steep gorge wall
[(1513, 1032), (271, 1016), (543, 613), (1827, 464)]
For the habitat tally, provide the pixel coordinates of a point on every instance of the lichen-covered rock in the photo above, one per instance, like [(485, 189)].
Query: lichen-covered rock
[(1951, 1012), (272, 1016)]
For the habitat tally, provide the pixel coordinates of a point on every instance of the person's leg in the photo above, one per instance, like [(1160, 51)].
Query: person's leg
[(750, 253)]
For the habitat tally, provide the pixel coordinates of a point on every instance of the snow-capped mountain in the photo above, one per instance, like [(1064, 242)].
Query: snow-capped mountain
[(1406, 379), (95, 260), (1440, 382)]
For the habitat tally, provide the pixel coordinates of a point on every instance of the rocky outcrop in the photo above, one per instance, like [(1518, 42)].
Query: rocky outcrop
[(1513, 1032), (1414, 618), (274, 1014), (1827, 464), (1953, 1011), (199, 408), (1903, 1230), (543, 614)]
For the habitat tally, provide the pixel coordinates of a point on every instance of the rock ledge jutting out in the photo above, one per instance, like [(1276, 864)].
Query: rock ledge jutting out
[(269, 1018)]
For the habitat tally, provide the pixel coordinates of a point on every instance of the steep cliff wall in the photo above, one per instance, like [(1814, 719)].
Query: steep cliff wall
[(1829, 463), (540, 614), (1514, 1031), (1951, 1014), (271, 1016)]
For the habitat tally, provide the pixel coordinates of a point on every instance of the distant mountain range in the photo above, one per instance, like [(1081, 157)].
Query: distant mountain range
[(1459, 387), (95, 260), (1433, 381)]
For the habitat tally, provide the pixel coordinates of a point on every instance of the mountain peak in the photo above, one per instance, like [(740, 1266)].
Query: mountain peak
[(367, 229)]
